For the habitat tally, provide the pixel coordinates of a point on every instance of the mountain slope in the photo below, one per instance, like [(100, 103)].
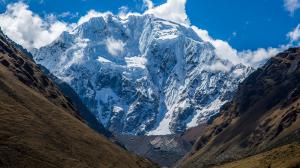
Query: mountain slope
[(40, 128), (156, 77), (263, 114)]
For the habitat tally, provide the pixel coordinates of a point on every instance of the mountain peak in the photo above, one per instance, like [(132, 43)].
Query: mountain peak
[(142, 74)]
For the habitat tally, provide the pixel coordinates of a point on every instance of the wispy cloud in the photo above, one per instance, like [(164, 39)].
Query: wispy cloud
[(114, 47), (294, 35), (219, 67), (68, 14), (292, 5)]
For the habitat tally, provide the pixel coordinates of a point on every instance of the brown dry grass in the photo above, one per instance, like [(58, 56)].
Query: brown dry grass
[(287, 156)]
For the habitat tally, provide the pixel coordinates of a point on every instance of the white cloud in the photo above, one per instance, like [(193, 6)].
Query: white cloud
[(247, 57), (226, 52), (91, 14), (222, 48), (203, 34), (258, 57), (294, 35), (219, 66), (27, 28), (172, 10), (114, 47), (292, 5), (68, 14)]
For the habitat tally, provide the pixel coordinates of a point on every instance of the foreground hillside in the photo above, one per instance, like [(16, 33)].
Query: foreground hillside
[(39, 126), (286, 156), (263, 115)]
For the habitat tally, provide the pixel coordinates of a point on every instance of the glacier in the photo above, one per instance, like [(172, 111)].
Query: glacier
[(142, 75)]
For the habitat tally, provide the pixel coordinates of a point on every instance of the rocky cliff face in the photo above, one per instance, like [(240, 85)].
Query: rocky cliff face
[(142, 75), (263, 114)]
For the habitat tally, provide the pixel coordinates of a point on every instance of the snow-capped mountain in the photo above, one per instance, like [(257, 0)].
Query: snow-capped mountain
[(141, 74)]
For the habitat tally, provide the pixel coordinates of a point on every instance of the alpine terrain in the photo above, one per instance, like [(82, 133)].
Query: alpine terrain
[(141, 75)]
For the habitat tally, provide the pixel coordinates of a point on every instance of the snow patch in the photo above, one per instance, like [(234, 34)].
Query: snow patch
[(201, 115), (117, 109), (136, 62), (103, 60), (163, 128)]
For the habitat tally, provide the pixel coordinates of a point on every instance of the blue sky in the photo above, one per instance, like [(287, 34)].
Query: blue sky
[(243, 24)]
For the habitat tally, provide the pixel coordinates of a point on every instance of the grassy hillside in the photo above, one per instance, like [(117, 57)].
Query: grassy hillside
[(287, 156)]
